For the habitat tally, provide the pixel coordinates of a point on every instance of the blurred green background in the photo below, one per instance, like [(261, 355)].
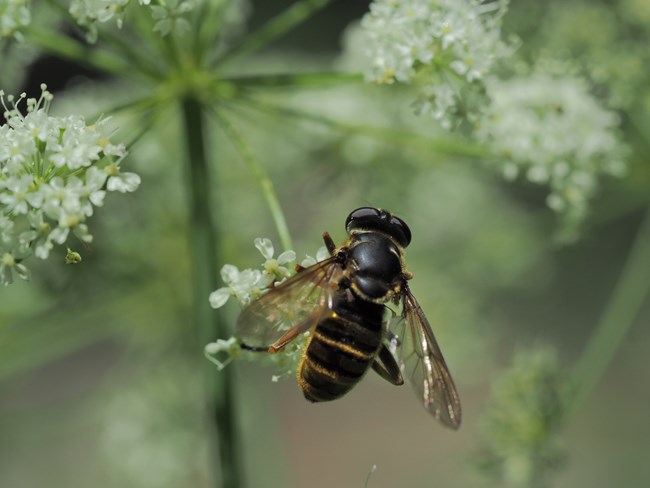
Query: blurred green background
[(99, 382)]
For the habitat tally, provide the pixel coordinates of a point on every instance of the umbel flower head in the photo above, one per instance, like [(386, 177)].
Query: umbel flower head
[(245, 286), (548, 129), (446, 46), (250, 283), (53, 172)]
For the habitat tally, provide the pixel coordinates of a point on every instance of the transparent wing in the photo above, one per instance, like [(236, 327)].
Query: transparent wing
[(290, 308), (423, 365)]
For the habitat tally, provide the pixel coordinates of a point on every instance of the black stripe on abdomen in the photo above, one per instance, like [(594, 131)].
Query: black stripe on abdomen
[(337, 356)]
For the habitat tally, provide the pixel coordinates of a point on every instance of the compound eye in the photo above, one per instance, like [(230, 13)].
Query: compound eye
[(401, 225), (361, 213)]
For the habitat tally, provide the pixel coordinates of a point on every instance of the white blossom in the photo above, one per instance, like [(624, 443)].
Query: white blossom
[(273, 267), (321, 255), (14, 15), (118, 181), (53, 172), (168, 15), (246, 285), (551, 131), (8, 266), (243, 285), (88, 13), (443, 46)]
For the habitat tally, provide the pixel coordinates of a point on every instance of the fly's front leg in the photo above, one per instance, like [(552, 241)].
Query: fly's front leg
[(329, 243)]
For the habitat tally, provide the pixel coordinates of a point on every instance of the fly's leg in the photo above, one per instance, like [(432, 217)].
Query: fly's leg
[(386, 366), (329, 243)]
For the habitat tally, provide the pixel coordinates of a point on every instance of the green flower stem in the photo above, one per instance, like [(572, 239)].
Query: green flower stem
[(301, 80), (274, 28), (264, 181), (171, 51), (68, 48), (135, 106), (203, 237), (145, 122), (451, 146), (63, 10), (140, 58), (624, 304), (208, 21)]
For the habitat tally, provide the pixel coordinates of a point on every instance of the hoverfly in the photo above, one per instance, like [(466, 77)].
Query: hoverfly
[(341, 301)]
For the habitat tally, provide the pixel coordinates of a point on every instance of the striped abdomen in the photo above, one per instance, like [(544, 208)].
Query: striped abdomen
[(342, 347)]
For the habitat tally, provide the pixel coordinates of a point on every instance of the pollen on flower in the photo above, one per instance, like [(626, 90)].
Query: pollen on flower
[(112, 169), (8, 260), (103, 142), (387, 77)]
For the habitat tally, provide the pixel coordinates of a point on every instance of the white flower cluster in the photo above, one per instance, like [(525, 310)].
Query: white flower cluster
[(53, 172), (168, 14), (247, 285), (250, 283), (448, 44), (14, 15), (550, 130), (89, 12)]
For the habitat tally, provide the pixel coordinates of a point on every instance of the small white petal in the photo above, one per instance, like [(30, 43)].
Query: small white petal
[(22, 271), (264, 246), (124, 182), (322, 254), (81, 231), (95, 177), (97, 198), (59, 235), (42, 251), (286, 257), (229, 273), (221, 345), (219, 297)]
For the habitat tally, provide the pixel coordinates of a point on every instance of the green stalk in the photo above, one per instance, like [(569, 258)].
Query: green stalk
[(274, 28), (624, 304), (68, 48), (293, 80), (264, 181), (142, 58), (203, 240), (450, 145), (209, 20)]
